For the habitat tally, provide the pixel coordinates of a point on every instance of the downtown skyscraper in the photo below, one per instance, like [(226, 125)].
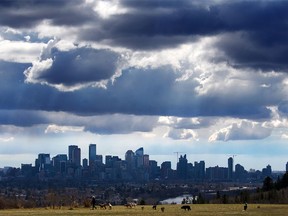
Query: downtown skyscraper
[(92, 153)]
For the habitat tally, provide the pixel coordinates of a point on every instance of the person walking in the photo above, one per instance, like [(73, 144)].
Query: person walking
[(245, 206), (93, 202)]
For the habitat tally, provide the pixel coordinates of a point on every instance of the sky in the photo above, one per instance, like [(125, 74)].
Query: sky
[(203, 78)]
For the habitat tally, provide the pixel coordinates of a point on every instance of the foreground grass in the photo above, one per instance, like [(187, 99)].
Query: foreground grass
[(170, 210)]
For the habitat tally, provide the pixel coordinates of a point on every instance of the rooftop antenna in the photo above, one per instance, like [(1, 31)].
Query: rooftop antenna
[(177, 154), (233, 156)]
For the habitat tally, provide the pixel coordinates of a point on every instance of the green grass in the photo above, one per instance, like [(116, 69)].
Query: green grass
[(170, 210)]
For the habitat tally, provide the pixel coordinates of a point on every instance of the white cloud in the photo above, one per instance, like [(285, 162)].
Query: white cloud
[(181, 134), (185, 123), (32, 73), (62, 129), (245, 130), (6, 139), (64, 45), (187, 59), (27, 38), (19, 51), (108, 8), (165, 120), (46, 29), (284, 136)]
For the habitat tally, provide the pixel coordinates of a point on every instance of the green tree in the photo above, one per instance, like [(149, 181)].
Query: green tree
[(224, 199), (283, 182), (244, 196), (267, 184), (200, 199), (142, 202), (218, 196)]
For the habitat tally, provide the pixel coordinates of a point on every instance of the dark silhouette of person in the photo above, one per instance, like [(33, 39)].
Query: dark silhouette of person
[(245, 206), (93, 202)]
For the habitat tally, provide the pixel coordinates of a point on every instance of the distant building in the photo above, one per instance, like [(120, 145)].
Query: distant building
[(74, 155), (139, 155), (130, 160), (154, 170), (27, 170), (267, 171), (70, 151), (92, 154), (199, 170), (240, 173), (166, 170), (59, 163), (230, 168), (146, 160), (182, 167), (99, 159), (85, 163), (43, 162), (108, 161), (217, 173)]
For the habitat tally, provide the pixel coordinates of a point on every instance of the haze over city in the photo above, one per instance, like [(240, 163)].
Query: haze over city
[(203, 78)]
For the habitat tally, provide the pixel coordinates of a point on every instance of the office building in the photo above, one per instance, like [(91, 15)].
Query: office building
[(43, 162), (230, 168), (182, 167), (76, 157), (130, 160), (59, 163), (139, 155), (70, 151), (92, 154)]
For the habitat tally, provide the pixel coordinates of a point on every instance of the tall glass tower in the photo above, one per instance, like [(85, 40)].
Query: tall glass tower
[(230, 168), (70, 151), (92, 153), (139, 154)]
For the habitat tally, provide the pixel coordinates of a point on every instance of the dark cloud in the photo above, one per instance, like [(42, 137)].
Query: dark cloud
[(21, 118), (253, 33), (153, 92), (157, 4), (283, 107), (241, 51), (18, 95), (27, 13), (260, 38), (257, 34), (143, 29), (120, 124), (81, 65)]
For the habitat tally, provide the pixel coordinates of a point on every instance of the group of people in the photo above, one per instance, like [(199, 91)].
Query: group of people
[(93, 203), (103, 205)]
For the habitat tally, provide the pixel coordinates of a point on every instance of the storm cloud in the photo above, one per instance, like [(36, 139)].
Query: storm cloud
[(153, 92), (254, 32), (141, 60), (75, 66), (28, 13)]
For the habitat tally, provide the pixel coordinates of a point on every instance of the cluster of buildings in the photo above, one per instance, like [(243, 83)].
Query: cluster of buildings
[(136, 167)]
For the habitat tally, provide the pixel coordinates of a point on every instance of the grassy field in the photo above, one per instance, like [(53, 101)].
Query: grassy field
[(170, 210)]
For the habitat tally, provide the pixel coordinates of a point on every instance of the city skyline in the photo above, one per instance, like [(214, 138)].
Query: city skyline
[(231, 163), (135, 167), (207, 78)]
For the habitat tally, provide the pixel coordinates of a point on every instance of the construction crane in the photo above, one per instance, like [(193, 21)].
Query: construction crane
[(177, 155), (232, 156)]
